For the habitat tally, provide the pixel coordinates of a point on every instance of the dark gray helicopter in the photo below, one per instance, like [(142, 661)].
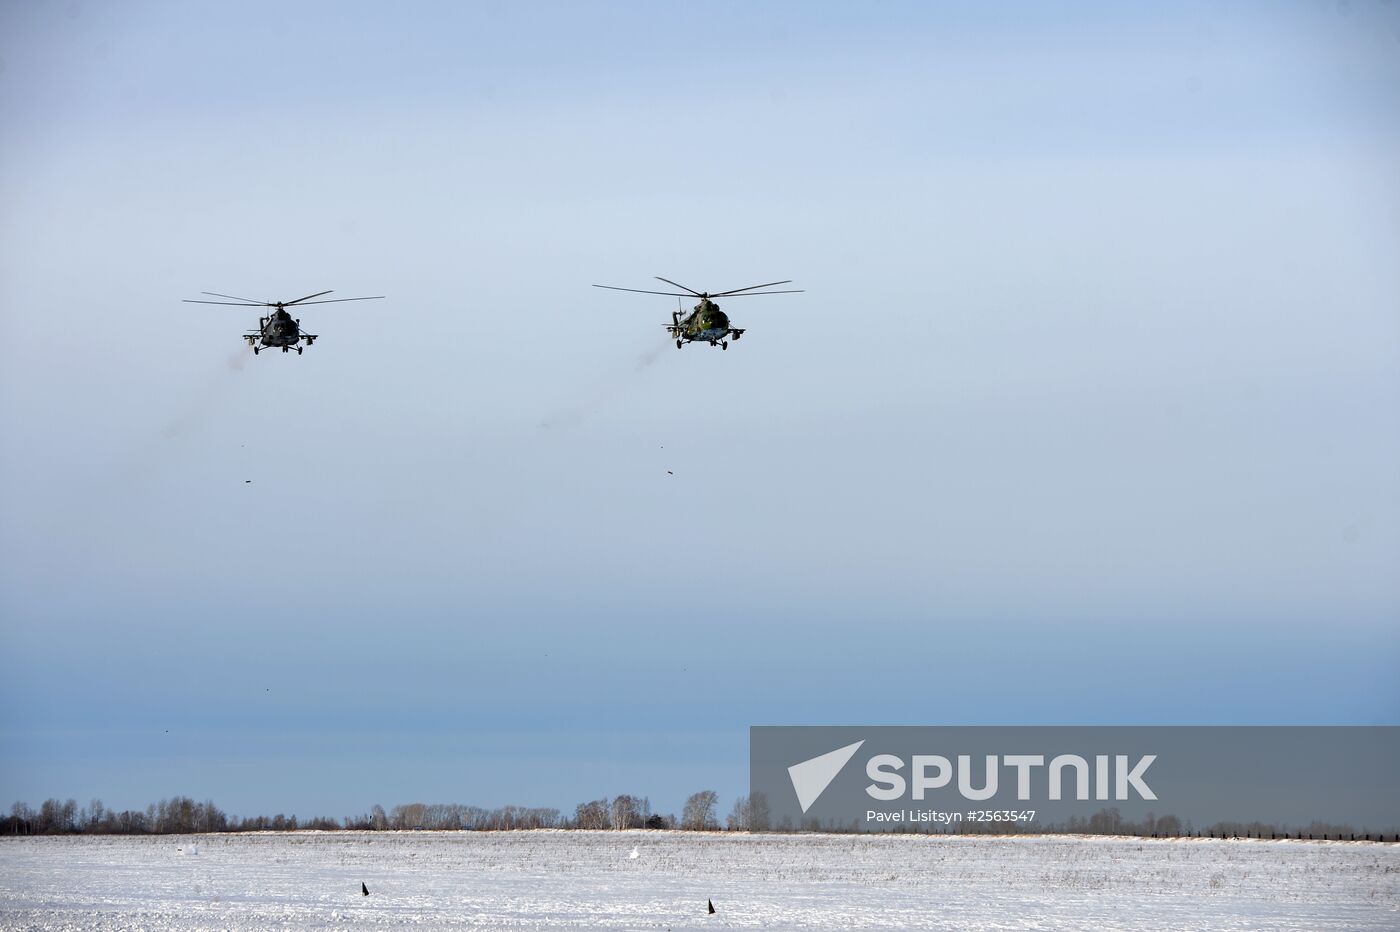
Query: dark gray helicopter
[(706, 323), (277, 328)]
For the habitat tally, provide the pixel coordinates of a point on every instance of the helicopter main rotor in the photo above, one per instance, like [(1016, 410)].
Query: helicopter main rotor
[(687, 292), (279, 305)]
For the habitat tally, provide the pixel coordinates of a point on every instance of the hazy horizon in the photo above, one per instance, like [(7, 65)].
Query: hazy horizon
[(1087, 413)]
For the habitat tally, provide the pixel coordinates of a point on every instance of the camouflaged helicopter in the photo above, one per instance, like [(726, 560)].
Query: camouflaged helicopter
[(277, 329), (706, 323)]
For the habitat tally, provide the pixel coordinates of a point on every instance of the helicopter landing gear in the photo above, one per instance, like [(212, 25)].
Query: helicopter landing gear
[(678, 344), (298, 350), (284, 349), (256, 350), (723, 345)]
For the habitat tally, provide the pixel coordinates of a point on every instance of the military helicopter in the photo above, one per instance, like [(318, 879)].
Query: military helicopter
[(277, 328), (706, 323)]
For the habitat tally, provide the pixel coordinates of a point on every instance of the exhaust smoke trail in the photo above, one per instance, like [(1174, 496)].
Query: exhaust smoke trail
[(601, 393), (202, 401)]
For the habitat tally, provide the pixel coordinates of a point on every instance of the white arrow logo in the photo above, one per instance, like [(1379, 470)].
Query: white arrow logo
[(811, 777)]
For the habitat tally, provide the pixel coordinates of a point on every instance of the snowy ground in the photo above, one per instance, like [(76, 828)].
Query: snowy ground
[(516, 880)]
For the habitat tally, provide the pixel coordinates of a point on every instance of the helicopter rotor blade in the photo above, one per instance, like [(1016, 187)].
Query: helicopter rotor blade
[(337, 300), (235, 297), (299, 300), (747, 293), (682, 287), (227, 303), (642, 291), (723, 294)]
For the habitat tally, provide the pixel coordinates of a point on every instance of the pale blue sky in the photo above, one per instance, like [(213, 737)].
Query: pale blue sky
[(1088, 414)]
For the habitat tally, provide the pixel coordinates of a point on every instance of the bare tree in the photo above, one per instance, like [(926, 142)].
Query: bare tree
[(750, 814), (411, 815), (759, 818), (593, 814), (21, 819), (699, 812), (626, 813), (738, 820), (1105, 821)]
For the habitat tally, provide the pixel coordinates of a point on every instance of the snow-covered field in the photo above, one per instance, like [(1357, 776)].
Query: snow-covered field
[(519, 880)]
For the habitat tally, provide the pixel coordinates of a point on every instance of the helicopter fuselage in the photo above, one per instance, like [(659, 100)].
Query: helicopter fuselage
[(278, 330), (705, 324)]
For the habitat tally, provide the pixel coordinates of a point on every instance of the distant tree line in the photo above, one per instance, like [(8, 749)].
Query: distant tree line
[(181, 815), (177, 816), (1111, 822)]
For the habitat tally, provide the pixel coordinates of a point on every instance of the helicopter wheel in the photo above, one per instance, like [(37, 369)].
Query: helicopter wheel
[(678, 344), (256, 351), (298, 350), (724, 346)]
